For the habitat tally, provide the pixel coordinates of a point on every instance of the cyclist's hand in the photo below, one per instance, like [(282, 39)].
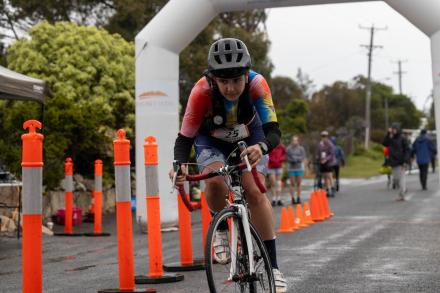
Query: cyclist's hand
[(180, 179), (254, 153)]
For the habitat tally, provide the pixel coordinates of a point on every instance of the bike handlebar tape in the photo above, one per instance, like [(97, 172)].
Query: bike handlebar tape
[(121, 151), (156, 274), (97, 203), (32, 176)]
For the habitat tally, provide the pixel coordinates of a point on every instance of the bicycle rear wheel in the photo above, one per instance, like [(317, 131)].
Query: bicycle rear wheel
[(220, 276)]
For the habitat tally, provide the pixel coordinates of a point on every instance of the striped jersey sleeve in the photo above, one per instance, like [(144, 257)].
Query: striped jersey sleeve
[(262, 98), (199, 103)]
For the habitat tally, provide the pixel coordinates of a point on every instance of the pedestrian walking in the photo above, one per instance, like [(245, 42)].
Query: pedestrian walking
[(423, 150), (340, 161), (327, 160), (295, 157), (275, 172), (386, 168), (399, 157)]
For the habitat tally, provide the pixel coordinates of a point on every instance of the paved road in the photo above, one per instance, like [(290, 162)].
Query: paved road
[(372, 244)]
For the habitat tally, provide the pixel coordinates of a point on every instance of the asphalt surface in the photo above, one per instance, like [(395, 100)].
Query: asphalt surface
[(371, 244)]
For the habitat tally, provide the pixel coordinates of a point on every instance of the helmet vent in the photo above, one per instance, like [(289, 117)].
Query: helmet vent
[(228, 57), (216, 48), (227, 46), (239, 56), (238, 45), (217, 58)]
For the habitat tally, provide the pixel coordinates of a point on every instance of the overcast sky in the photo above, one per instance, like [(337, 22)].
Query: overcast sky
[(324, 41)]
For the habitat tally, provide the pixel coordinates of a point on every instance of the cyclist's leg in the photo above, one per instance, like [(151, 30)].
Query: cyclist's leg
[(210, 158), (259, 205), (264, 223)]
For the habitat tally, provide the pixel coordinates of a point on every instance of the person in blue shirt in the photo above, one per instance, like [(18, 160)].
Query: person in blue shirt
[(423, 149), (340, 161)]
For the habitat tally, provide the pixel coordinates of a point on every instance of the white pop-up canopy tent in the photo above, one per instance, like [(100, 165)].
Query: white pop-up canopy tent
[(158, 47), (16, 86)]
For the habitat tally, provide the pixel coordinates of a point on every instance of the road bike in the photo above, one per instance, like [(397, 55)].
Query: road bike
[(249, 268)]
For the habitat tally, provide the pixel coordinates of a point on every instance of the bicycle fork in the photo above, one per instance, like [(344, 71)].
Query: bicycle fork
[(243, 216)]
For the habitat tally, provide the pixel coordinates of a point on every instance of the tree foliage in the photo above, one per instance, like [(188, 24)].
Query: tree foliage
[(293, 118), (284, 89), (91, 77), (342, 106)]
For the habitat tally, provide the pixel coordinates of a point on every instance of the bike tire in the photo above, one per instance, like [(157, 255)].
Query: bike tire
[(230, 213)]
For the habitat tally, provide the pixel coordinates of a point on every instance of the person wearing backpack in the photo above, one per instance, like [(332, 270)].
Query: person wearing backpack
[(423, 150), (327, 159)]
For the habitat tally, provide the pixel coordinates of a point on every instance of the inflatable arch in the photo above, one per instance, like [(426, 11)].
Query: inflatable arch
[(157, 73)]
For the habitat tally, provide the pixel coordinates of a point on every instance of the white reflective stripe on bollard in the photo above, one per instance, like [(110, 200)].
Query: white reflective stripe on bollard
[(98, 183), (32, 190), (151, 180), (68, 183), (123, 186)]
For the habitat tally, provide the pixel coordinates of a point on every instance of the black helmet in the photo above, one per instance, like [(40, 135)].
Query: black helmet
[(228, 58)]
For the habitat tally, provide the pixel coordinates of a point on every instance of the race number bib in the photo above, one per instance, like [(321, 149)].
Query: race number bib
[(238, 132)]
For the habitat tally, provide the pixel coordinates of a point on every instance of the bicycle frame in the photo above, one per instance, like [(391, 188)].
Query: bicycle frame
[(233, 172), (240, 204)]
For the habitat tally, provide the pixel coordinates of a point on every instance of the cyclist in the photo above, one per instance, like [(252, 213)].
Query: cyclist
[(231, 103)]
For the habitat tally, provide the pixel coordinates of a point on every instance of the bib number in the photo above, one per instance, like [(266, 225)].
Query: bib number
[(238, 132)]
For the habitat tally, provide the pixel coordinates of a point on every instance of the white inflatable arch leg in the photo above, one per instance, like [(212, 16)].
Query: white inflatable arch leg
[(158, 47)]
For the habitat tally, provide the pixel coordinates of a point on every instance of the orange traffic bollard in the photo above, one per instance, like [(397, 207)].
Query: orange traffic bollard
[(97, 203), (32, 176), (124, 216), (187, 263), (156, 274), (307, 213), (285, 226), (68, 211)]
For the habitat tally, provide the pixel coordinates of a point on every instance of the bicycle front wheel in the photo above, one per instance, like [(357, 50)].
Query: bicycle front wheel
[(234, 274)]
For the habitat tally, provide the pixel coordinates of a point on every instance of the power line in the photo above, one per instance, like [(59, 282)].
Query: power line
[(370, 48)]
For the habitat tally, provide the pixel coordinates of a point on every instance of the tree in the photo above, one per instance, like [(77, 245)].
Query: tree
[(334, 106), (293, 118), (284, 89), (91, 77)]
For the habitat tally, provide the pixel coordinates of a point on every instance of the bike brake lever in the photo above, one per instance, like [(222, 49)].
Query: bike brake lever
[(242, 146)]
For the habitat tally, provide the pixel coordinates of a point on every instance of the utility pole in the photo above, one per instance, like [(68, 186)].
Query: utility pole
[(400, 73), (387, 123), (370, 48)]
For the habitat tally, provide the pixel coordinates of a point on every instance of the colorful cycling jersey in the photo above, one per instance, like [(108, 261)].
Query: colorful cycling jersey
[(200, 104)]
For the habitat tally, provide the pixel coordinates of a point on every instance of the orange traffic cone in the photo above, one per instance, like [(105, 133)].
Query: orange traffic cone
[(291, 216), (300, 216), (322, 198), (284, 222), (326, 204), (307, 213), (315, 209)]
